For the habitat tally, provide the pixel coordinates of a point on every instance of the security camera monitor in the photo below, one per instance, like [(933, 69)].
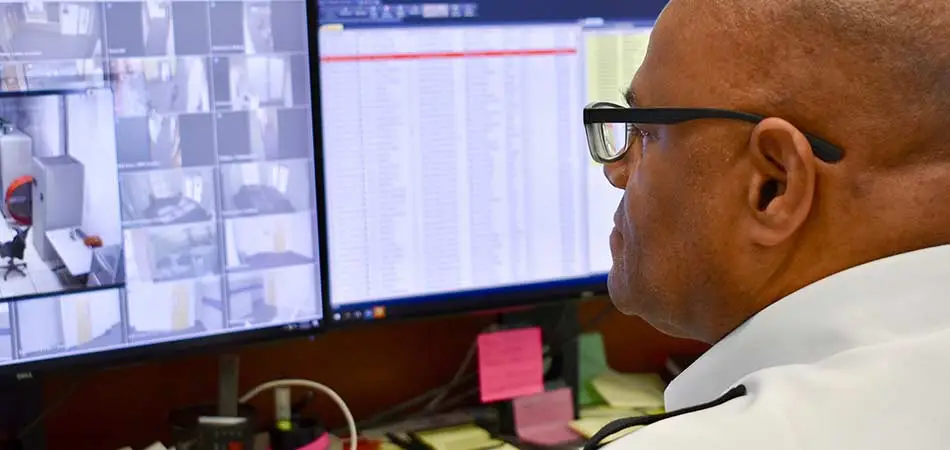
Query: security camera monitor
[(192, 187)]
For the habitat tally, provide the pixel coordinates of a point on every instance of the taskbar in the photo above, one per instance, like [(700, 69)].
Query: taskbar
[(497, 299)]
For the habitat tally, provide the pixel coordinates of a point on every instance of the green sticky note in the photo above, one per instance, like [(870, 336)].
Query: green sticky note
[(592, 359)]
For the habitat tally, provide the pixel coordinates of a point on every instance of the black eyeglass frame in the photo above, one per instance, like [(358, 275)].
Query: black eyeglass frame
[(599, 113)]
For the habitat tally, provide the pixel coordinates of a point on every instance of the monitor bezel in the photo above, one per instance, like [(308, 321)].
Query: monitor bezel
[(145, 352), (494, 300)]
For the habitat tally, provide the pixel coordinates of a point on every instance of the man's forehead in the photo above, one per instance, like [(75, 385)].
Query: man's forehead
[(695, 58)]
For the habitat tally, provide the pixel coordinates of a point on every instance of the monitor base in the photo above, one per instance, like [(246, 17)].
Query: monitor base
[(228, 377), (210, 425)]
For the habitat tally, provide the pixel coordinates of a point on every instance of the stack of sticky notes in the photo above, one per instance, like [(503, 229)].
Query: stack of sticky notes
[(462, 437), (625, 395), (608, 395), (592, 361), (511, 368), (630, 390), (600, 384), (592, 419)]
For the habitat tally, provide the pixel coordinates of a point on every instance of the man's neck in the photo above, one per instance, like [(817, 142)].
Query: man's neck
[(887, 299)]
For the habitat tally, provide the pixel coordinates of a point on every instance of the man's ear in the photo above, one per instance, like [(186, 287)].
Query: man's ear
[(782, 186)]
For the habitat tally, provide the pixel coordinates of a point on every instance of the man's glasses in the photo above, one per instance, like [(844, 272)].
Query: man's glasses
[(612, 129)]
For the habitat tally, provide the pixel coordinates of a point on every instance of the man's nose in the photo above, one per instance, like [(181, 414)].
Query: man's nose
[(617, 173)]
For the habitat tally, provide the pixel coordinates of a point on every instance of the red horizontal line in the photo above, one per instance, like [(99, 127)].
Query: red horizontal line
[(443, 55)]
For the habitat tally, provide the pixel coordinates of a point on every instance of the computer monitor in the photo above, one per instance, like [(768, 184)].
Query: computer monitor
[(214, 167), (456, 169)]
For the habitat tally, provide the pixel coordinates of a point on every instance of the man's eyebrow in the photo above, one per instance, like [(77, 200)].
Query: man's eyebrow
[(631, 97)]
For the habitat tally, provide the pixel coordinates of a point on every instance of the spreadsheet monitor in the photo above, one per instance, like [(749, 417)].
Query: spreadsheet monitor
[(214, 166), (456, 170)]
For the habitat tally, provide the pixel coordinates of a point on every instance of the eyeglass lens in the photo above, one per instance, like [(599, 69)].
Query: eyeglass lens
[(614, 140)]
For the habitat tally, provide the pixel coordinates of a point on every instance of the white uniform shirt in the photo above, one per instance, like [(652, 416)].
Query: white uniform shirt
[(857, 361)]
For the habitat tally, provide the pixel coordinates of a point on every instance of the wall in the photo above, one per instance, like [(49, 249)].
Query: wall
[(372, 367), (91, 140), (87, 134), (41, 119)]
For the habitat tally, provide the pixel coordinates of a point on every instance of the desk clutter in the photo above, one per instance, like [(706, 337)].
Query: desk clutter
[(543, 420), (510, 365), (547, 422)]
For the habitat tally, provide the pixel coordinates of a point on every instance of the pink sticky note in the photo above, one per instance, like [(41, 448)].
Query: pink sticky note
[(510, 364), (322, 443), (545, 418)]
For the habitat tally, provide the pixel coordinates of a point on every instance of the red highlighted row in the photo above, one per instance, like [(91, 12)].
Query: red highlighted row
[(448, 55)]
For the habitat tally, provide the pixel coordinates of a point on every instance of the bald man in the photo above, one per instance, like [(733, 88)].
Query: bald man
[(786, 177)]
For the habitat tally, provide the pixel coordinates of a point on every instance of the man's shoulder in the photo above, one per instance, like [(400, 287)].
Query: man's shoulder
[(738, 424), (851, 400)]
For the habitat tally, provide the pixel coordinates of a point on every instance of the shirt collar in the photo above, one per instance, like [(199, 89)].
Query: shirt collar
[(891, 298)]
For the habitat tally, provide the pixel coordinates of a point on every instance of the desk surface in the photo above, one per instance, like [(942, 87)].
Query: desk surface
[(71, 250)]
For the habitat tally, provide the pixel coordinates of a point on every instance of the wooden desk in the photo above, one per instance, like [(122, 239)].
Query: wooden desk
[(372, 367)]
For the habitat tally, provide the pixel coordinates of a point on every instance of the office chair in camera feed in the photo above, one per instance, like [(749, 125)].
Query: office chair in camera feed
[(15, 250)]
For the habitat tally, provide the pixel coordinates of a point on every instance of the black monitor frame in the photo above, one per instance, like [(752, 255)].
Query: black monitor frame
[(484, 301), (146, 351)]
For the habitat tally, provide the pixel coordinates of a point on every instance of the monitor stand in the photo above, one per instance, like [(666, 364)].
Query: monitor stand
[(211, 425), (21, 406), (559, 330), (228, 376)]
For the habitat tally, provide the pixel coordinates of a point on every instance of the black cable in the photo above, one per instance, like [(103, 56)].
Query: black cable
[(616, 426)]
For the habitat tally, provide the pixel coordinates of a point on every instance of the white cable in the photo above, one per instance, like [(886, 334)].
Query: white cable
[(350, 423)]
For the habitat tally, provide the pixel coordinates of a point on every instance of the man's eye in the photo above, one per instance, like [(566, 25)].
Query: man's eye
[(634, 132)]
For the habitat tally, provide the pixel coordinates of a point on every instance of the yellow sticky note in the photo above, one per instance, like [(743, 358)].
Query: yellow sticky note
[(463, 437), (630, 390), (592, 419), (589, 427)]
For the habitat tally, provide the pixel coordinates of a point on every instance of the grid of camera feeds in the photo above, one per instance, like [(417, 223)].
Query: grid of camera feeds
[(214, 164)]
